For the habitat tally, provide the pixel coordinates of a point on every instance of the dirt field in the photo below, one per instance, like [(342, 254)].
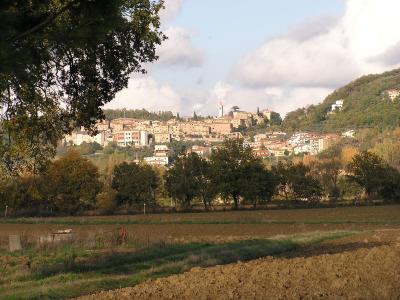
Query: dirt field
[(107, 253), (365, 266), (214, 227)]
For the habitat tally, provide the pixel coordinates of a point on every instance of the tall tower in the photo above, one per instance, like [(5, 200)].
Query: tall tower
[(220, 110)]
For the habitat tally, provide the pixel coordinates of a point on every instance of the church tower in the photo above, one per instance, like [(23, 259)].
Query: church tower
[(220, 110)]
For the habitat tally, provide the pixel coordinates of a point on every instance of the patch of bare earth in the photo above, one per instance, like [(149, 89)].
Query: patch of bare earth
[(365, 266)]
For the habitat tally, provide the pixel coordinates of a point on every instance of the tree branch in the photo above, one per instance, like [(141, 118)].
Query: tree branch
[(45, 22)]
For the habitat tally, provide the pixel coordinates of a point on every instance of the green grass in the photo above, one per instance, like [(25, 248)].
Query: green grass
[(70, 272)]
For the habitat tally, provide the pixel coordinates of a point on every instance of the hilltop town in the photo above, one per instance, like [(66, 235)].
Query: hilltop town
[(258, 129)]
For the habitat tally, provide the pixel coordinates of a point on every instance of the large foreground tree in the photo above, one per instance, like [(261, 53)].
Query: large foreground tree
[(60, 62)]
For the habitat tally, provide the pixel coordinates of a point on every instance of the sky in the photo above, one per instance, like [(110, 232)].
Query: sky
[(278, 55)]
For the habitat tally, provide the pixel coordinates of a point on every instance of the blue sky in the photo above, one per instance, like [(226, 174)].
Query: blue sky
[(263, 53), (228, 29)]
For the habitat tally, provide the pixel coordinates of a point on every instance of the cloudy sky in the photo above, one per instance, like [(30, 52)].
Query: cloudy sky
[(263, 53)]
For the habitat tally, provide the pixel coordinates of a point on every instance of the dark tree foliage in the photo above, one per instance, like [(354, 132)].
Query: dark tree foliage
[(71, 183), (141, 114), (68, 185), (135, 183), (187, 179), (275, 119), (328, 170), (259, 185), (234, 172), (391, 187), (60, 62), (296, 182), (375, 176), (24, 195)]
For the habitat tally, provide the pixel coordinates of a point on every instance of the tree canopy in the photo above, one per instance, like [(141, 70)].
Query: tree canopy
[(374, 175), (237, 173), (135, 183), (188, 178), (60, 62), (366, 105)]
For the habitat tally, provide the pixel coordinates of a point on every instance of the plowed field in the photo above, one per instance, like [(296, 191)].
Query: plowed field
[(365, 266)]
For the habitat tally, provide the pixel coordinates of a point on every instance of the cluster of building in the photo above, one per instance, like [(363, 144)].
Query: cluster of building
[(132, 132), (277, 144), (139, 133)]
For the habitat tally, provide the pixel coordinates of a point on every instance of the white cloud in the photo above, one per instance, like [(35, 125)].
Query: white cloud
[(279, 99), (178, 50), (145, 92), (171, 10), (322, 54)]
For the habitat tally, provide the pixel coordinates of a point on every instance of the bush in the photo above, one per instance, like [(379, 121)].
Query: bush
[(106, 200)]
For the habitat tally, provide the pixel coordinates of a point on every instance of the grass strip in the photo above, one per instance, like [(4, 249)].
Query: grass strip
[(116, 270)]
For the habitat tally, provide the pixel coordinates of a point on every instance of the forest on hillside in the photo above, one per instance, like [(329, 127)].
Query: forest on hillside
[(141, 114), (365, 106)]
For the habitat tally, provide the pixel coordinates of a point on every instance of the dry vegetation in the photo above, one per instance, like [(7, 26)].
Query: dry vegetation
[(117, 251)]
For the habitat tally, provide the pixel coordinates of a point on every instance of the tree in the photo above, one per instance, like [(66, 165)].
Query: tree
[(24, 196), (390, 189), (295, 180), (276, 119), (60, 62), (374, 175), (232, 170), (259, 185), (89, 148), (330, 170), (389, 150), (187, 179), (72, 183), (135, 183), (367, 170)]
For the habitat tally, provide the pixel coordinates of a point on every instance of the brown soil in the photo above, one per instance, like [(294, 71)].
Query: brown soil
[(216, 232), (363, 213), (364, 266), (182, 233)]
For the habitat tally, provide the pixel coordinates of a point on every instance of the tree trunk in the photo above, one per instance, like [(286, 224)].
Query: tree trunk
[(235, 201)]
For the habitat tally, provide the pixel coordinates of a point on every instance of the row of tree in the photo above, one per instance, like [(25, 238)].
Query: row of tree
[(233, 174)]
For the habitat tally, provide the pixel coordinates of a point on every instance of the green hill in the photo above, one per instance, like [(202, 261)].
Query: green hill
[(366, 104)]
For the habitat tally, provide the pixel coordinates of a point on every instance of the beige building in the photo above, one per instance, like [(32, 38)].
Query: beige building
[(281, 152), (221, 128), (192, 128), (162, 138), (159, 128), (267, 114), (236, 123)]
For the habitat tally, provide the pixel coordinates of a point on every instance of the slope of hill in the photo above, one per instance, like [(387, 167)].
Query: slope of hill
[(366, 104)]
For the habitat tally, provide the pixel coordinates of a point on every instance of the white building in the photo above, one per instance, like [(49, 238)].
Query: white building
[(160, 157), (131, 138), (349, 133), (393, 94), (157, 160), (338, 105), (81, 136)]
